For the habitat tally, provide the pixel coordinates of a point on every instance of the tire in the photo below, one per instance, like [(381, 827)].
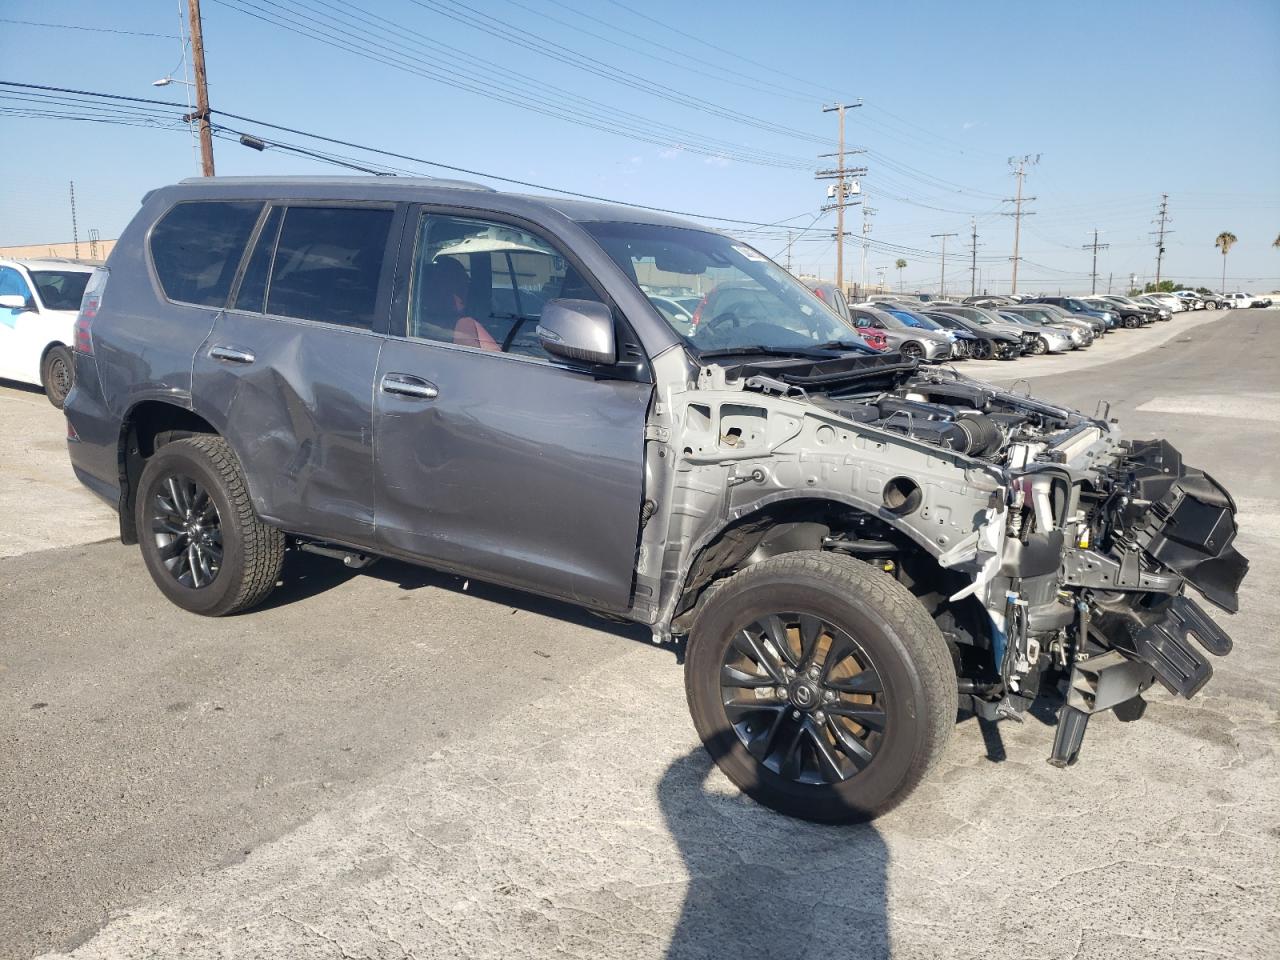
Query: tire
[(1040, 347), (1131, 322), (57, 375), (236, 555), (912, 351), (1211, 304), (912, 684), (982, 350)]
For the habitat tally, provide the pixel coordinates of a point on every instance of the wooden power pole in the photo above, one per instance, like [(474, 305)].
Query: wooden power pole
[(1095, 247), (942, 284), (1019, 165), (841, 191), (202, 89)]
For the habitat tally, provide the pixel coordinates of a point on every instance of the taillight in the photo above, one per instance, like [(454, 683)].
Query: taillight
[(89, 305)]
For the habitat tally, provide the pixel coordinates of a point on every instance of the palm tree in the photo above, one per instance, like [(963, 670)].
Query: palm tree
[(902, 265), (1226, 239)]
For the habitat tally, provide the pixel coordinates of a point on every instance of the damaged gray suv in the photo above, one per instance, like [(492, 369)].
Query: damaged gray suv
[(850, 546)]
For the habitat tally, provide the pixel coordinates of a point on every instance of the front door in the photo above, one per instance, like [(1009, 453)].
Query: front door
[(286, 374), (492, 457)]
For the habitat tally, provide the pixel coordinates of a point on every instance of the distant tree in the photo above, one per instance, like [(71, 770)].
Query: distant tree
[(901, 265), (1164, 286), (1224, 242), (1276, 241), (1205, 291)]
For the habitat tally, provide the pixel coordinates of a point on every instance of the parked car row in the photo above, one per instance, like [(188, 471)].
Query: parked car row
[(985, 328)]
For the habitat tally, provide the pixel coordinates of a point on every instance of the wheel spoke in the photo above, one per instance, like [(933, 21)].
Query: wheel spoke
[(193, 562), (738, 710), (868, 681), (166, 525), (811, 629), (849, 744), (174, 548), (733, 677), (178, 496), (776, 632), (751, 648), (828, 762), (867, 715), (790, 751), (761, 745)]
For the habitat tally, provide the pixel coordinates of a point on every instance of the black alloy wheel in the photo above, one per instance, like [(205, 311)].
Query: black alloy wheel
[(187, 530), (912, 351), (803, 697), (820, 685), (982, 350), (201, 539)]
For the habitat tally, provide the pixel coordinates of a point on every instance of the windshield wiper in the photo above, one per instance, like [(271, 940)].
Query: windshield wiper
[(750, 348), (818, 350)]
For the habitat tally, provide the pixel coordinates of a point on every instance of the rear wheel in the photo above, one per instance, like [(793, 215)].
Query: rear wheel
[(57, 375), (820, 686), (201, 540)]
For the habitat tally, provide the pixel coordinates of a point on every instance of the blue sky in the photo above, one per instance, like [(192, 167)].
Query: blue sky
[(1121, 101)]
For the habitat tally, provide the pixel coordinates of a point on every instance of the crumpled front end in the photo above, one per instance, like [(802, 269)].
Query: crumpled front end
[(1103, 537)]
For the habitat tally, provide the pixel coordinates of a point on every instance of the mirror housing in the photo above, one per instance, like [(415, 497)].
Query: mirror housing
[(578, 330), (13, 301)]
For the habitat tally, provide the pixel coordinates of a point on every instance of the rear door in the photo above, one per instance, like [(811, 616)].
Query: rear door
[(493, 457), (286, 374)]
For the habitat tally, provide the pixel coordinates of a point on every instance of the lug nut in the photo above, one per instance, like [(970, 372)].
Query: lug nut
[(795, 714), (820, 717), (829, 696)]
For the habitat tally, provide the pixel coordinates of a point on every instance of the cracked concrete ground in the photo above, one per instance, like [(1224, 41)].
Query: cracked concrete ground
[(388, 766)]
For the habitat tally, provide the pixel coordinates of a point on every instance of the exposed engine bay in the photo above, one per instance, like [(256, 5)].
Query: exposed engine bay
[(1049, 550)]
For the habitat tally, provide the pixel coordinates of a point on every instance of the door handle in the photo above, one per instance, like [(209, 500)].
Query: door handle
[(407, 385), (231, 355)]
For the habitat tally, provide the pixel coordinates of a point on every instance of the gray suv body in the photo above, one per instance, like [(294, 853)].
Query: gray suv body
[(847, 545)]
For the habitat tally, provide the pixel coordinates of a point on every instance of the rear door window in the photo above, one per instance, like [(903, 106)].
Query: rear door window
[(196, 248), (326, 265)]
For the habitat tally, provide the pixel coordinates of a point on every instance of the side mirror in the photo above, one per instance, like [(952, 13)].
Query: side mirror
[(13, 301), (578, 330)]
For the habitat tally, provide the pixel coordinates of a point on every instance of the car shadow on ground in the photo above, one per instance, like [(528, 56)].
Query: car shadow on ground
[(307, 575), (762, 885)]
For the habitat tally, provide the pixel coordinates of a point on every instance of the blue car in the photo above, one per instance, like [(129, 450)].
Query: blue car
[(962, 341)]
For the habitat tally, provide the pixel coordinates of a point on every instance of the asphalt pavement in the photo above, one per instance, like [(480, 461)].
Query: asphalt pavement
[(400, 763)]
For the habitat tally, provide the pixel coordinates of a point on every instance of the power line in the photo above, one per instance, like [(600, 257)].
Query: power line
[(400, 47), (76, 26)]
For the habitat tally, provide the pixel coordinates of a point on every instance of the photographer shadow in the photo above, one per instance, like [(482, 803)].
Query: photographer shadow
[(762, 885)]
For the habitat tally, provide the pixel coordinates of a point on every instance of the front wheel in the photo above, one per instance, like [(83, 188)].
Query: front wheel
[(1040, 346), (912, 351), (1211, 305), (57, 375), (1131, 322), (820, 686), (201, 539)]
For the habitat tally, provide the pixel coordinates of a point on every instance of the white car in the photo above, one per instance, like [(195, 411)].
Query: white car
[(1166, 300), (39, 302), (1194, 301), (1238, 301)]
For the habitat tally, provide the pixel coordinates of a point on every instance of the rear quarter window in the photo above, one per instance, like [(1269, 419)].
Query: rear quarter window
[(196, 248)]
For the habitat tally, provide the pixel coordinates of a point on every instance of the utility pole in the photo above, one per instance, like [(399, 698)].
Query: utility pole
[(202, 89), (880, 279), (973, 249), (789, 242), (1110, 276), (942, 286), (1019, 165), (1095, 247), (867, 214), (75, 230), (841, 190), (1162, 219)]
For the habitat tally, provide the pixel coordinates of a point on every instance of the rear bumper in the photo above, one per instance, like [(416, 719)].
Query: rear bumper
[(93, 437)]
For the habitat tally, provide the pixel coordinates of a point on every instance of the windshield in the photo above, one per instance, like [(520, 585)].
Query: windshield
[(61, 289), (913, 320), (746, 303)]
